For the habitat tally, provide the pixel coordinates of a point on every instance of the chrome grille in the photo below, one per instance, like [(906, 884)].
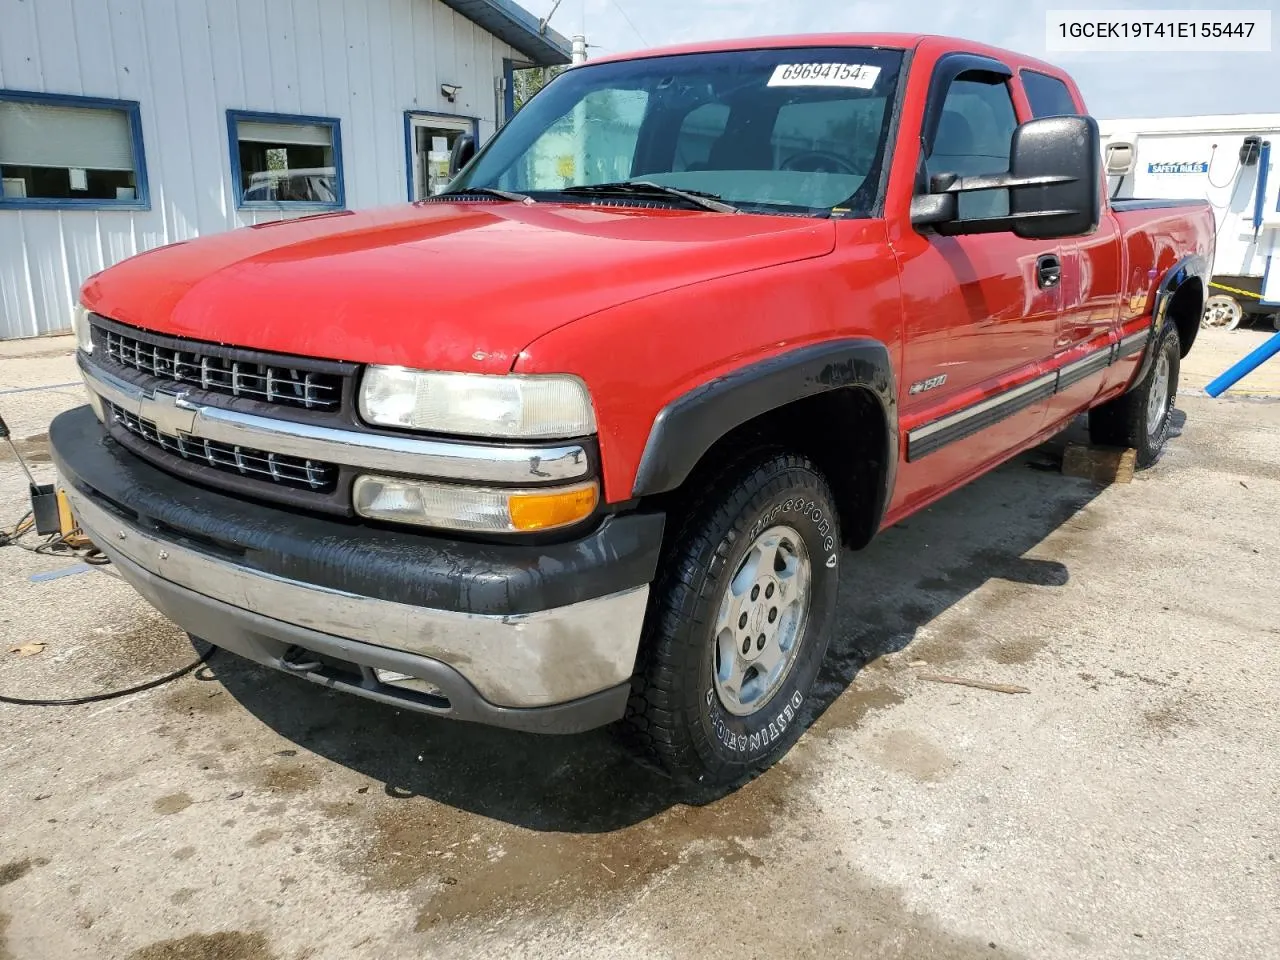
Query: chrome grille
[(259, 464), (258, 381)]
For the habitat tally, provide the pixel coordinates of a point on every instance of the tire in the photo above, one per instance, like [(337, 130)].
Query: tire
[(722, 569), (1141, 418), (1222, 311)]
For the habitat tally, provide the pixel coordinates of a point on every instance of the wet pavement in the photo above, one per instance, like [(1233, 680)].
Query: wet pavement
[(1124, 807)]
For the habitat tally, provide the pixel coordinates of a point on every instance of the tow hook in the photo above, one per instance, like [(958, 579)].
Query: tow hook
[(298, 660)]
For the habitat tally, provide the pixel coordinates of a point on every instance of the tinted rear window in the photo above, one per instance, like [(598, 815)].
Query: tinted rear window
[(1049, 96)]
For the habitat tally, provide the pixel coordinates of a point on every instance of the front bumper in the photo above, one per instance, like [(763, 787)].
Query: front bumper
[(530, 637)]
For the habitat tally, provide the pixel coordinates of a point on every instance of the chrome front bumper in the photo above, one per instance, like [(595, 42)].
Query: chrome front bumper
[(513, 661)]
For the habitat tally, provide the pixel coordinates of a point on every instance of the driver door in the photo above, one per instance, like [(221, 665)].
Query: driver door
[(980, 311)]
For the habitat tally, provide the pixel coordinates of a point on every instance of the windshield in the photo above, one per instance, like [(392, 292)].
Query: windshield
[(788, 130)]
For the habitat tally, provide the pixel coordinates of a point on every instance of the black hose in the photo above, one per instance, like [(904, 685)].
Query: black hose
[(112, 695)]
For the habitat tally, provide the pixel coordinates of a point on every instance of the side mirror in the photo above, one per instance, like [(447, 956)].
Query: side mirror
[(464, 148), (933, 208), (1054, 183), (1064, 155)]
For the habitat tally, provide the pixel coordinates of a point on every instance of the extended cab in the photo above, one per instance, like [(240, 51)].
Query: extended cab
[(583, 439)]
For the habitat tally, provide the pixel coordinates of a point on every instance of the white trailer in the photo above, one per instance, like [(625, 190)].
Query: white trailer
[(1230, 162)]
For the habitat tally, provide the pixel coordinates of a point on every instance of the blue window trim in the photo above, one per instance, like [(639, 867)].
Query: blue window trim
[(233, 147), (409, 117), (508, 90), (142, 200)]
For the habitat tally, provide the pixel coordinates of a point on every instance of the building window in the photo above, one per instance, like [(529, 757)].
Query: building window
[(429, 140), (70, 152), (281, 161)]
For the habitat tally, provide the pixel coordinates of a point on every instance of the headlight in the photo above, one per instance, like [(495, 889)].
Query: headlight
[(80, 326), (472, 404), (485, 509)]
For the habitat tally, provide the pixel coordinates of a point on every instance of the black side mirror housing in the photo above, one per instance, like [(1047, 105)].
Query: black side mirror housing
[(464, 148), (1054, 183), (1067, 151), (933, 208)]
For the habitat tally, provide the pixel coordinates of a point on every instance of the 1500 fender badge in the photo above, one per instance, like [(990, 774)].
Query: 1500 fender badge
[(920, 386)]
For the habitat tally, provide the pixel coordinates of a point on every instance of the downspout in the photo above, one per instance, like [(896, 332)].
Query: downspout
[(1260, 197)]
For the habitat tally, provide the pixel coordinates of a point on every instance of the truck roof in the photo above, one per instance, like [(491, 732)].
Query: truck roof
[(901, 41)]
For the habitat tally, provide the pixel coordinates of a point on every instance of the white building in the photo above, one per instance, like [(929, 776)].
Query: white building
[(127, 124)]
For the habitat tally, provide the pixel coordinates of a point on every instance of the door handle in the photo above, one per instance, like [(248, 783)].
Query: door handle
[(1048, 271)]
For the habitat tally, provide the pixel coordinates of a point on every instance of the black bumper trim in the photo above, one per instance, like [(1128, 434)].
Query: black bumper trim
[(406, 566)]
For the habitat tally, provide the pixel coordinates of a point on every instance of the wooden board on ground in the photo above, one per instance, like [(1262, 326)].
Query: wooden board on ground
[(1100, 464)]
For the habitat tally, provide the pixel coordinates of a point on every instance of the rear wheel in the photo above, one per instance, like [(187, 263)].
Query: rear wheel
[(1141, 418), (738, 623)]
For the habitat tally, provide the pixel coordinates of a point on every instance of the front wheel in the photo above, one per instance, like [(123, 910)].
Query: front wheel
[(1142, 417), (738, 623)]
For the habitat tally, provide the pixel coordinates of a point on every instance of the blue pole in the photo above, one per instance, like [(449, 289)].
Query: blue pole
[(1241, 368)]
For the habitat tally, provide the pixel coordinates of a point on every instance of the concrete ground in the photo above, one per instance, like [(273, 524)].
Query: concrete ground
[(1125, 807)]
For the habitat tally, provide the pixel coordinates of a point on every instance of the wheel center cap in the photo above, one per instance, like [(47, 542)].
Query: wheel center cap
[(757, 619)]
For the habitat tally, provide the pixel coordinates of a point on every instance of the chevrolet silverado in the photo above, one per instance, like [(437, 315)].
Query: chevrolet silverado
[(583, 439)]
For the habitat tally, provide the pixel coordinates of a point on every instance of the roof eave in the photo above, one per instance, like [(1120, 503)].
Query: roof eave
[(518, 28)]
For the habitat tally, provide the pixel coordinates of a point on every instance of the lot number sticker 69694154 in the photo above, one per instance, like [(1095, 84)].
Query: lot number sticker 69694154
[(857, 75)]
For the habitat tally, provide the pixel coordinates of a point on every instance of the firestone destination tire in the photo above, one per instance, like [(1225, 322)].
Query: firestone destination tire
[(738, 622)]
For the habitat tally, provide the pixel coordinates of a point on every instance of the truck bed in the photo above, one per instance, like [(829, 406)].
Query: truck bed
[(1155, 236)]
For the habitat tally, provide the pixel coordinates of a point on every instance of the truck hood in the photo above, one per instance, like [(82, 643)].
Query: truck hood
[(437, 285)]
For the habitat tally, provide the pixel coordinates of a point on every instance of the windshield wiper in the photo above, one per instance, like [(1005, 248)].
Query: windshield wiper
[(699, 198), (491, 192)]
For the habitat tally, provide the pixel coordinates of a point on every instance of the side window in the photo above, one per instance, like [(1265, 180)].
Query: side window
[(973, 137), (700, 129), (1048, 96)]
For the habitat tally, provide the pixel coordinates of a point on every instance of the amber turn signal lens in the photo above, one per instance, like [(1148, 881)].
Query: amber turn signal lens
[(557, 508), (453, 506)]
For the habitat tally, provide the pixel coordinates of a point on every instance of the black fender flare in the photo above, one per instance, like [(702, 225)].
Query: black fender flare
[(1191, 267), (686, 428)]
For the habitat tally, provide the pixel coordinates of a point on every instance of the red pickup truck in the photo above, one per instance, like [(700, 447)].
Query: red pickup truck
[(582, 439)]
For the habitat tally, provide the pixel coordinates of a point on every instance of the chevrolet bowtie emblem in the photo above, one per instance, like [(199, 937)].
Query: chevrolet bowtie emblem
[(170, 411)]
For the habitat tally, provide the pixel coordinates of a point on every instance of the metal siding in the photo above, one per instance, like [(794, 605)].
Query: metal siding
[(426, 75), (364, 62), (387, 123), (284, 58), (445, 52), (313, 86)]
